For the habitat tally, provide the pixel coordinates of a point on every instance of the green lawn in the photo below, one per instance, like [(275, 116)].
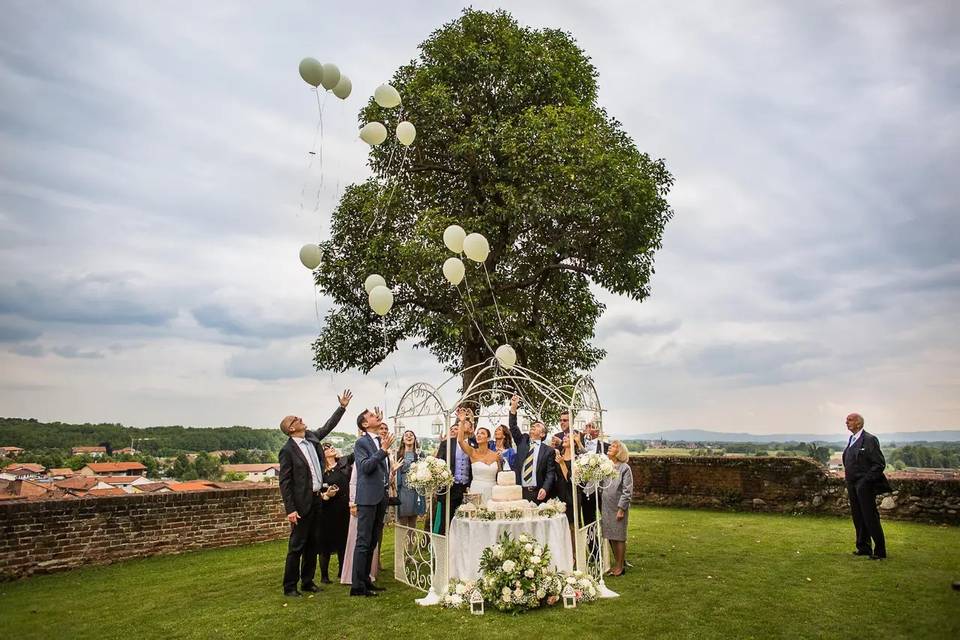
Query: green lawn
[(698, 574)]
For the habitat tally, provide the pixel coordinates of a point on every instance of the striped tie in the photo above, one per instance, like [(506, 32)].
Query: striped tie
[(528, 468)]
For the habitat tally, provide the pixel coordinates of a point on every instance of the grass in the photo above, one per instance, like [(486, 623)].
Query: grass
[(697, 574)]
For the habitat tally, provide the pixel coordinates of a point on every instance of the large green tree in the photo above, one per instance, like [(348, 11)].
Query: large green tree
[(510, 143)]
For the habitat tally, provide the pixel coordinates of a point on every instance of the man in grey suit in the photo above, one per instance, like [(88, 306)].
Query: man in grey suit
[(863, 465), (373, 478)]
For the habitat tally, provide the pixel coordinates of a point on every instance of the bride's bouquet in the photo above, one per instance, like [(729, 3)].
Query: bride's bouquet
[(593, 468), (429, 476)]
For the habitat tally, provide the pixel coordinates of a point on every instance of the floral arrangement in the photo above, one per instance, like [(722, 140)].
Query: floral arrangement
[(593, 468), (429, 476), (545, 510), (552, 507), (516, 575)]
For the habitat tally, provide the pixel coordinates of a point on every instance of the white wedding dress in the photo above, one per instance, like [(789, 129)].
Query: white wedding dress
[(484, 478)]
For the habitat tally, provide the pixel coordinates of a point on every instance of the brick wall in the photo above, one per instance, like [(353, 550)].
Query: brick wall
[(51, 535), (793, 485)]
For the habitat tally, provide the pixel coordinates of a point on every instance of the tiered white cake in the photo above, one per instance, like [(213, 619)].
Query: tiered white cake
[(507, 494)]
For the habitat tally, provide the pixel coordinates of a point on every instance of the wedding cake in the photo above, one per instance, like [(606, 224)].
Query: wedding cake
[(507, 494)]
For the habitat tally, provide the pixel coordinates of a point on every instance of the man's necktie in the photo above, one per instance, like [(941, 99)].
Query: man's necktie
[(528, 467), (315, 463)]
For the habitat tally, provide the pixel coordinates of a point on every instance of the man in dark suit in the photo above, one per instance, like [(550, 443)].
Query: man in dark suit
[(592, 444), (863, 465), (536, 461), (373, 479), (301, 486), (459, 464)]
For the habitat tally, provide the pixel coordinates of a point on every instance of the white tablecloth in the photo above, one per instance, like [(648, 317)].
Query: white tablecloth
[(468, 539)]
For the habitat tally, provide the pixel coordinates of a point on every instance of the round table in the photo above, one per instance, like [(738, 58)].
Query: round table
[(468, 538)]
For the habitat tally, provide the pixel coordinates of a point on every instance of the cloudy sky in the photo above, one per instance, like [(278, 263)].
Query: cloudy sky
[(154, 192)]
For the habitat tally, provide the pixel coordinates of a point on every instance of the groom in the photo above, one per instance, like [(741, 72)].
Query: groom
[(373, 478), (536, 465)]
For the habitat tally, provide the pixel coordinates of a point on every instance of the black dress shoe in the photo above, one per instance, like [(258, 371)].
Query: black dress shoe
[(293, 594), (862, 553), (325, 580), (373, 587), (311, 588), (878, 557), (354, 592)]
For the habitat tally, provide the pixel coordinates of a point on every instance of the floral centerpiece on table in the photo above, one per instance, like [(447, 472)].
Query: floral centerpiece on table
[(429, 476), (593, 468), (552, 507), (516, 575)]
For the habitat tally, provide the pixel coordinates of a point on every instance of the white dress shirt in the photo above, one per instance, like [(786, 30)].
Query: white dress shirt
[(315, 472)]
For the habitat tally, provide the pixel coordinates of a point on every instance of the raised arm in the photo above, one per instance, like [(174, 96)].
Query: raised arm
[(512, 421), (344, 400), (368, 460), (462, 441)]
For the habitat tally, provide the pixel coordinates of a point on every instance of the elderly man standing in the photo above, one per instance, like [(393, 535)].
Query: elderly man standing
[(301, 486), (863, 465)]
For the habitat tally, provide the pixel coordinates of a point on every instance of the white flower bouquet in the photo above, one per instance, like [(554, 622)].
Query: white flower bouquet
[(429, 476), (593, 468)]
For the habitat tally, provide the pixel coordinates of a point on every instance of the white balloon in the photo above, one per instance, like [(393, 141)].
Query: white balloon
[(386, 96), (311, 71), (476, 247), (343, 88), (406, 133), (453, 270), (453, 237), (331, 76), (373, 133), (506, 356), (373, 281), (381, 299), (310, 256)]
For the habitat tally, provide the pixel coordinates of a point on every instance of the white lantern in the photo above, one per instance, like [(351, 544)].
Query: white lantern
[(476, 247), (476, 603), (437, 426), (569, 598)]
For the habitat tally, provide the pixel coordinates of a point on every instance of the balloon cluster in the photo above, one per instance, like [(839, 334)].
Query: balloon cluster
[(379, 295), (375, 133), (328, 75)]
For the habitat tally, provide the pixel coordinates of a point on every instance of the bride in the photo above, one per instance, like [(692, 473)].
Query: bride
[(484, 462)]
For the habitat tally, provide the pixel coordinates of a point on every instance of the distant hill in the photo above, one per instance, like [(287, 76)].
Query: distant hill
[(700, 435)]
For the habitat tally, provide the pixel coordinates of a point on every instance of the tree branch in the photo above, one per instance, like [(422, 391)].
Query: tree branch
[(557, 266)]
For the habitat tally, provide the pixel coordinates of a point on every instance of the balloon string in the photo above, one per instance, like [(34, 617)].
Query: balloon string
[(316, 206), (403, 160), (471, 311), (316, 303), (495, 305), (312, 154)]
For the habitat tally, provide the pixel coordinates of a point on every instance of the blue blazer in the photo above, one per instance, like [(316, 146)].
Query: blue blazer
[(373, 473)]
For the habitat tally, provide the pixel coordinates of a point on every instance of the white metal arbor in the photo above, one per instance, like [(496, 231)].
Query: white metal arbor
[(421, 558)]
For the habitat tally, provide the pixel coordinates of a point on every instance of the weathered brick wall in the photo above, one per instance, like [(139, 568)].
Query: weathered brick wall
[(794, 485), (51, 535)]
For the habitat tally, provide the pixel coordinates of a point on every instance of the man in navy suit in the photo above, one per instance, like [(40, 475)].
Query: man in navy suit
[(301, 486), (373, 478), (863, 466), (536, 464)]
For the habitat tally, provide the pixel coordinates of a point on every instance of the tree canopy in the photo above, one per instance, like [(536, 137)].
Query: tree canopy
[(511, 143)]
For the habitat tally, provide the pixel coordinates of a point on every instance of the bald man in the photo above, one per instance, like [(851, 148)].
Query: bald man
[(863, 465)]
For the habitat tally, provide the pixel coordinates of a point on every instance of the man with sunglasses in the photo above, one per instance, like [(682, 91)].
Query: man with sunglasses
[(302, 488)]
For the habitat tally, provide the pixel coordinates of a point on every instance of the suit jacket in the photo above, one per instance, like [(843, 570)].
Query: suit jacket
[(296, 482), (864, 462), (454, 447), (546, 472), (373, 472)]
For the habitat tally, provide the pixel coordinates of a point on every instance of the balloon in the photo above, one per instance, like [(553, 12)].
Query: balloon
[(476, 247), (343, 88), (310, 256), (374, 281), (373, 133), (386, 96), (381, 299), (406, 133), (331, 76), (453, 270), (453, 237), (506, 356), (311, 71)]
